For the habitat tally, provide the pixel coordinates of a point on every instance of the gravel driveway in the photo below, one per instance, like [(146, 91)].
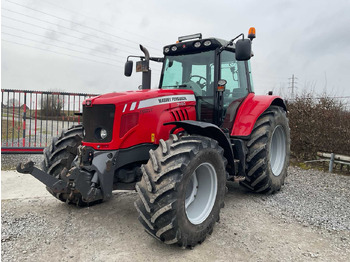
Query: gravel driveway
[(307, 221)]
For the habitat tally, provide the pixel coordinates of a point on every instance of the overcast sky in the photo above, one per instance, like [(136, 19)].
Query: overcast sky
[(82, 45)]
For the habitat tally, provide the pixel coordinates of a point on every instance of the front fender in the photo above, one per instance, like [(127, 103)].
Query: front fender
[(250, 110), (212, 131)]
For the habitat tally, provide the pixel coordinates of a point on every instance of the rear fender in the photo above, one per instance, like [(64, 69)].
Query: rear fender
[(212, 131), (250, 110)]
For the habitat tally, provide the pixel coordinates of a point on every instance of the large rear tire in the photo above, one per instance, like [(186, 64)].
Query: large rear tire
[(59, 156), (268, 152), (182, 190)]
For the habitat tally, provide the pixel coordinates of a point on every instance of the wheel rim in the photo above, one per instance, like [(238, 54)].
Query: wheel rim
[(278, 150), (201, 193)]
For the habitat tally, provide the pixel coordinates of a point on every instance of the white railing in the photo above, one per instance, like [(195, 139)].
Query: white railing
[(334, 159)]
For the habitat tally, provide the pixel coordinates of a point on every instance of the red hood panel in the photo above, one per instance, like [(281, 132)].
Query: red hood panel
[(134, 96), (139, 116)]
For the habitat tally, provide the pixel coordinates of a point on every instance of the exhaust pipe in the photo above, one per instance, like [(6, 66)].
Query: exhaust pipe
[(146, 73)]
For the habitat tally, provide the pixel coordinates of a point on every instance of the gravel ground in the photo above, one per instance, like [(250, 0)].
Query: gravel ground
[(313, 197), (308, 220), (10, 161)]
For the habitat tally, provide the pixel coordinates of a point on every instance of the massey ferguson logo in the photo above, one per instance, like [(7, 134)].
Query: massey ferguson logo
[(179, 99), (172, 99)]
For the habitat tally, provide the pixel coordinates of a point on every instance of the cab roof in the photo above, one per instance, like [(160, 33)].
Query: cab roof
[(196, 46)]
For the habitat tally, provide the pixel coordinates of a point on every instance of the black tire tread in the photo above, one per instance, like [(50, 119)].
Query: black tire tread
[(158, 188), (259, 179), (58, 157)]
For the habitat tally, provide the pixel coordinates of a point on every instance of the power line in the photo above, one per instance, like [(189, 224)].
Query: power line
[(330, 97), (62, 41), (41, 20), (46, 50), (91, 28), (102, 22), (89, 41), (69, 49), (83, 58), (263, 75), (337, 97)]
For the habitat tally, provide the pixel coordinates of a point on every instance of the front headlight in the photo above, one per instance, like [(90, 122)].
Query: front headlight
[(103, 133)]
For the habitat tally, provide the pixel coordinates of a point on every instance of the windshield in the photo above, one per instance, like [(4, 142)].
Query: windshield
[(190, 71)]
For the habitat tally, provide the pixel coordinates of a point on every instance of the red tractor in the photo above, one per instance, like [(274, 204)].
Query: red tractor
[(177, 145)]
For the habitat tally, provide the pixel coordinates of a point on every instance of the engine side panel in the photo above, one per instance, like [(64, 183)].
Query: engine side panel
[(250, 110)]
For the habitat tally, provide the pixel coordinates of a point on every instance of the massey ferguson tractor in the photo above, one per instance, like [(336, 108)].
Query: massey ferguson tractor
[(176, 145)]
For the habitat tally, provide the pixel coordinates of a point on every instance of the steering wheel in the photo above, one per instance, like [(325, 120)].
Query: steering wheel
[(202, 85), (195, 87)]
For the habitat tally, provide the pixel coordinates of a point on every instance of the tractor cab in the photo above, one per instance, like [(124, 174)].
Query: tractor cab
[(209, 68), (216, 70)]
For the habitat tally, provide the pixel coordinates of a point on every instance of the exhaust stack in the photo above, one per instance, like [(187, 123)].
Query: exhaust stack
[(146, 71)]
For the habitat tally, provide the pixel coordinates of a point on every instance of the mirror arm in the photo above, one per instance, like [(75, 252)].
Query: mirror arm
[(230, 42), (155, 59), (141, 57)]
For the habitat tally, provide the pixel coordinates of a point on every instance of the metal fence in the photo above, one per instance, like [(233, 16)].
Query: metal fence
[(30, 119)]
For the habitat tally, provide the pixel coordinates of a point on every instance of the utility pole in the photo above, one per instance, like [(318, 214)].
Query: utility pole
[(293, 84)]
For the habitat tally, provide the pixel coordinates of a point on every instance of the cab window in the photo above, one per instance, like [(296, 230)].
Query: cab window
[(234, 72), (194, 72)]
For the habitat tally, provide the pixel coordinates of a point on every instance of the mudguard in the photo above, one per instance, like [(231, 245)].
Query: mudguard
[(250, 110), (208, 130)]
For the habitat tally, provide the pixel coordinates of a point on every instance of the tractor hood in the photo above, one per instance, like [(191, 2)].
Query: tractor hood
[(142, 97), (126, 119)]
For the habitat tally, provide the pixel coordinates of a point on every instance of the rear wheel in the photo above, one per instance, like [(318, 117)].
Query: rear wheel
[(268, 152), (59, 156), (182, 190)]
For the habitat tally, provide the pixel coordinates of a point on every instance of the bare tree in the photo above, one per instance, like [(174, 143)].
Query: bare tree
[(51, 105), (13, 103)]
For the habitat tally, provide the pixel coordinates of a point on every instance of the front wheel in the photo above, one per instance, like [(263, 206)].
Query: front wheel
[(182, 190), (59, 156), (268, 152)]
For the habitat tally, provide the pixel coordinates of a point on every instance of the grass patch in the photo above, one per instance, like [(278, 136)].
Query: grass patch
[(304, 166), (320, 166), (12, 130)]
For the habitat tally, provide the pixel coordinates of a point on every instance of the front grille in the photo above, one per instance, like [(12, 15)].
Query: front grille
[(95, 118)]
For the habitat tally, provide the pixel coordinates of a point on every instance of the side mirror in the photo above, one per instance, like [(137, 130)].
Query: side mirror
[(128, 68), (243, 49)]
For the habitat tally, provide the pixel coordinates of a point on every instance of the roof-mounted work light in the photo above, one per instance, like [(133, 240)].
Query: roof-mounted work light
[(189, 37)]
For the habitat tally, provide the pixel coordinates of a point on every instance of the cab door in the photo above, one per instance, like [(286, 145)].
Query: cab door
[(237, 86)]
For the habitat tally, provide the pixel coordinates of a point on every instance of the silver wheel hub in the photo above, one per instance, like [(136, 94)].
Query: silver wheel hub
[(278, 150), (201, 193)]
